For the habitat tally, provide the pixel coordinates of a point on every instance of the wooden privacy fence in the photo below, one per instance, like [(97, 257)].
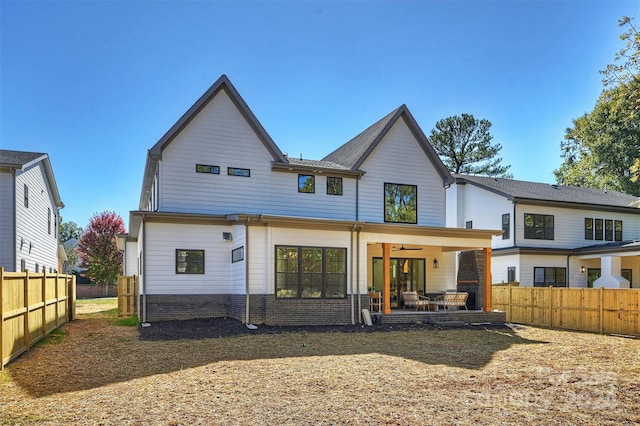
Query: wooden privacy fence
[(32, 305), (127, 296), (600, 310)]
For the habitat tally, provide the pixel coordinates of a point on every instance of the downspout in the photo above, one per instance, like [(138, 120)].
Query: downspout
[(15, 222), (353, 315), (358, 272), (144, 271), (246, 270), (568, 271)]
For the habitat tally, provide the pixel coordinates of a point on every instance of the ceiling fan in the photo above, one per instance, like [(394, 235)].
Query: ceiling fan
[(403, 248)]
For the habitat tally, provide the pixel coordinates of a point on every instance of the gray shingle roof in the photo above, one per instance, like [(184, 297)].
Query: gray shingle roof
[(18, 158), (349, 154), (317, 163), (523, 190)]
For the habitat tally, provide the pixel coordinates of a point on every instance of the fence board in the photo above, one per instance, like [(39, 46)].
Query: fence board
[(31, 306), (584, 309), (127, 295)]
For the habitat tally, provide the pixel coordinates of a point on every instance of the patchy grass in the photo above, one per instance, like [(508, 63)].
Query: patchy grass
[(55, 337), (127, 322), (102, 373)]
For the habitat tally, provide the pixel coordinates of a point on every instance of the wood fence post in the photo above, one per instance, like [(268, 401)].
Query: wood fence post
[(25, 282), (44, 304), (601, 310), (509, 305), (1, 319), (550, 306)]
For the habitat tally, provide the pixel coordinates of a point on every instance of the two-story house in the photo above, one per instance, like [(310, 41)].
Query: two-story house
[(29, 212), (230, 226), (558, 235)]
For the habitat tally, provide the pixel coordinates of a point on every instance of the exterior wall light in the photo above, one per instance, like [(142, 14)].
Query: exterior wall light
[(436, 264), (582, 269)]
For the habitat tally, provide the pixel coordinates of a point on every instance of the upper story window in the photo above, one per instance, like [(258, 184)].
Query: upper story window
[(49, 221), (307, 184), (400, 203), (506, 226), (204, 168), (26, 196), (334, 185), (235, 171), (538, 226), (602, 229)]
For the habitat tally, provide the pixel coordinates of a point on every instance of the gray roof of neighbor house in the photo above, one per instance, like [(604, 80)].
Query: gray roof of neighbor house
[(353, 153), (534, 192), (23, 159)]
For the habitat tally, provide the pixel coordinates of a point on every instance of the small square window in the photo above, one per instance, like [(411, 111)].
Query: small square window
[(189, 261), (237, 254), (334, 186), (307, 184), (469, 224)]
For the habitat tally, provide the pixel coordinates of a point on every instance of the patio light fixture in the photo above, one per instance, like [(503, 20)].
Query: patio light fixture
[(436, 264), (582, 269)]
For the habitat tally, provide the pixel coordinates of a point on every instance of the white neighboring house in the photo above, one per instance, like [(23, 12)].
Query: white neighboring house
[(230, 226), (558, 235), (29, 213)]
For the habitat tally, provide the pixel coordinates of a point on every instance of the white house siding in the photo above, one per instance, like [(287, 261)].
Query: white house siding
[(131, 259), (162, 240), (485, 209), (264, 240), (32, 222), (238, 269), (569, 226), (220, 136), (399, 159), (500, 265), (7, 231)]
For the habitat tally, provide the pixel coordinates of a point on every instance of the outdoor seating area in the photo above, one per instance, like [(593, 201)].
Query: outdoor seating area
[(451, 299), (414, 300)]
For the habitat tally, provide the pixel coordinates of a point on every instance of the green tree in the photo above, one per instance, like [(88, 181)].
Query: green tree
[(70, 230), (97, 248), (601, 150), (69, 234), (464, 144)]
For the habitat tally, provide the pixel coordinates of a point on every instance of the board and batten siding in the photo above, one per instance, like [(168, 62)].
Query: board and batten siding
[(162, 240), (220, 136), (485, 210), (399, 159), (32, 222), (569, 226), (7, 230)]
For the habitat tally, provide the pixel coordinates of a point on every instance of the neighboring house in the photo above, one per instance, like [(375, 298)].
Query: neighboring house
[(565, 236), (230, 226), (29, 213)]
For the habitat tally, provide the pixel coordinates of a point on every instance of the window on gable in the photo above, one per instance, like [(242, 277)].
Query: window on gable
[(506, 226), (311, 272), (538, 226), (189, 261), (334, 186), (307, 184), (205, 168), (400, 203), (26, 196), (236, 171), (49, 221), (588, 228)]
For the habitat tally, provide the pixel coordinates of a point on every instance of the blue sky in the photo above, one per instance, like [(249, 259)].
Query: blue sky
[(95, 84)]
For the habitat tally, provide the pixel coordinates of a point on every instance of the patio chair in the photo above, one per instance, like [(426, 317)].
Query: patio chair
[(452, 299), (375, 301), (411, 298)]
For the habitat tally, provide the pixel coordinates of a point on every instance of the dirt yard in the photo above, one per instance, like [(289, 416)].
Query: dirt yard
[(96, 372)]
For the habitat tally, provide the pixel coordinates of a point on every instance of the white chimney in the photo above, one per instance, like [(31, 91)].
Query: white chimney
[(610, 276)]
